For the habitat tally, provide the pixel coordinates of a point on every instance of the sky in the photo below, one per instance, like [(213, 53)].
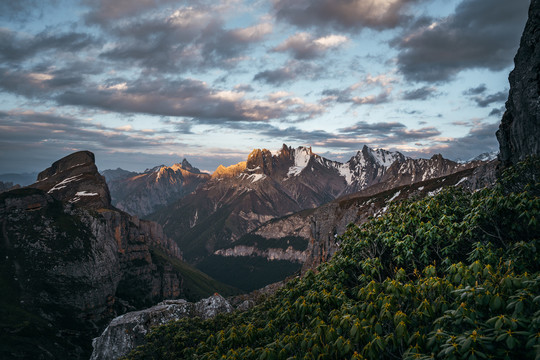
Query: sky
[(147, 82)]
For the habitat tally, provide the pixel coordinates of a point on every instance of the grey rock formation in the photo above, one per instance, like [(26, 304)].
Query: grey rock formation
[(519, 132), (127, 331)]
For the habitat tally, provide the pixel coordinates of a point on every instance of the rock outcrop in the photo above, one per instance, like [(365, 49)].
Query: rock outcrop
[(75, 179), (127, 331), (519, 131)]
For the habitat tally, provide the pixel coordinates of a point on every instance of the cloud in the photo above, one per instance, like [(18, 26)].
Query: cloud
[(351, 15), (480, 34), (15, 47), (40, 127), (390, 132), (24, 10), (485, 101), (481, 138), (303, 46), (188, 98), (477, 94), (36, 84), (186, 39), (104, 11), (39, 138), (497, 112), (291, 71), (370, 82), (422, 93), (480, 89)]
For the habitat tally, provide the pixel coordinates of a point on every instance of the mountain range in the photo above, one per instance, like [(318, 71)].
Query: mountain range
[(208, 215)]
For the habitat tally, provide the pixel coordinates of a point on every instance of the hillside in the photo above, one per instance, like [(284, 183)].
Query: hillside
[(455, 275)]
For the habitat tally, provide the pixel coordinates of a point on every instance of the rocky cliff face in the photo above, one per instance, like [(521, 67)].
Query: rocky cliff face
[(126, 332), (75, 179), (142, 194), (73, 261), (519, 131)]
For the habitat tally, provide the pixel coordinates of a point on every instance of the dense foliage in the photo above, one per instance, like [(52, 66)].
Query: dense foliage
[(451, 276)]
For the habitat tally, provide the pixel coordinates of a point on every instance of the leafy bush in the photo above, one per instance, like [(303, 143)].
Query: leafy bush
[(453, 276)]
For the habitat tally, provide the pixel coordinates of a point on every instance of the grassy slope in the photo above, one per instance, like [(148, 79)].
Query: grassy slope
[(453, 276)]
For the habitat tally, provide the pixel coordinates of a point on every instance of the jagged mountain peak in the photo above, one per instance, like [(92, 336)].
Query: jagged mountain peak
[(380, 157), (187, 166)]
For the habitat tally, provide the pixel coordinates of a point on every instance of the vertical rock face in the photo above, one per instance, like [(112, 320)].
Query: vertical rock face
[(519, 131)]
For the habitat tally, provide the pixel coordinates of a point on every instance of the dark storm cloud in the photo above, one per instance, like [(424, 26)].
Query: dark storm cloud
[(480, 34), (344, 14), (422, 93), (15, 47)]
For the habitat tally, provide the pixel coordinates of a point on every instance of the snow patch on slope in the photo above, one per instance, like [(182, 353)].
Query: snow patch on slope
[(345, 171), (62, 184), (256, 177), (383, 157), (301, 159)]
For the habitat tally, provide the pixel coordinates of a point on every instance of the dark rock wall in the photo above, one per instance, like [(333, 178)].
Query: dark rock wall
[(519, 132)]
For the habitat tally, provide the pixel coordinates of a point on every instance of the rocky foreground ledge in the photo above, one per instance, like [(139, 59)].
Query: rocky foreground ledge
[(127, 331)]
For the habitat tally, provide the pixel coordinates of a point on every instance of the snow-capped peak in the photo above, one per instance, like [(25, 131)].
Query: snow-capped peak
[(487, 156), (383, 157), (301, 159)]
